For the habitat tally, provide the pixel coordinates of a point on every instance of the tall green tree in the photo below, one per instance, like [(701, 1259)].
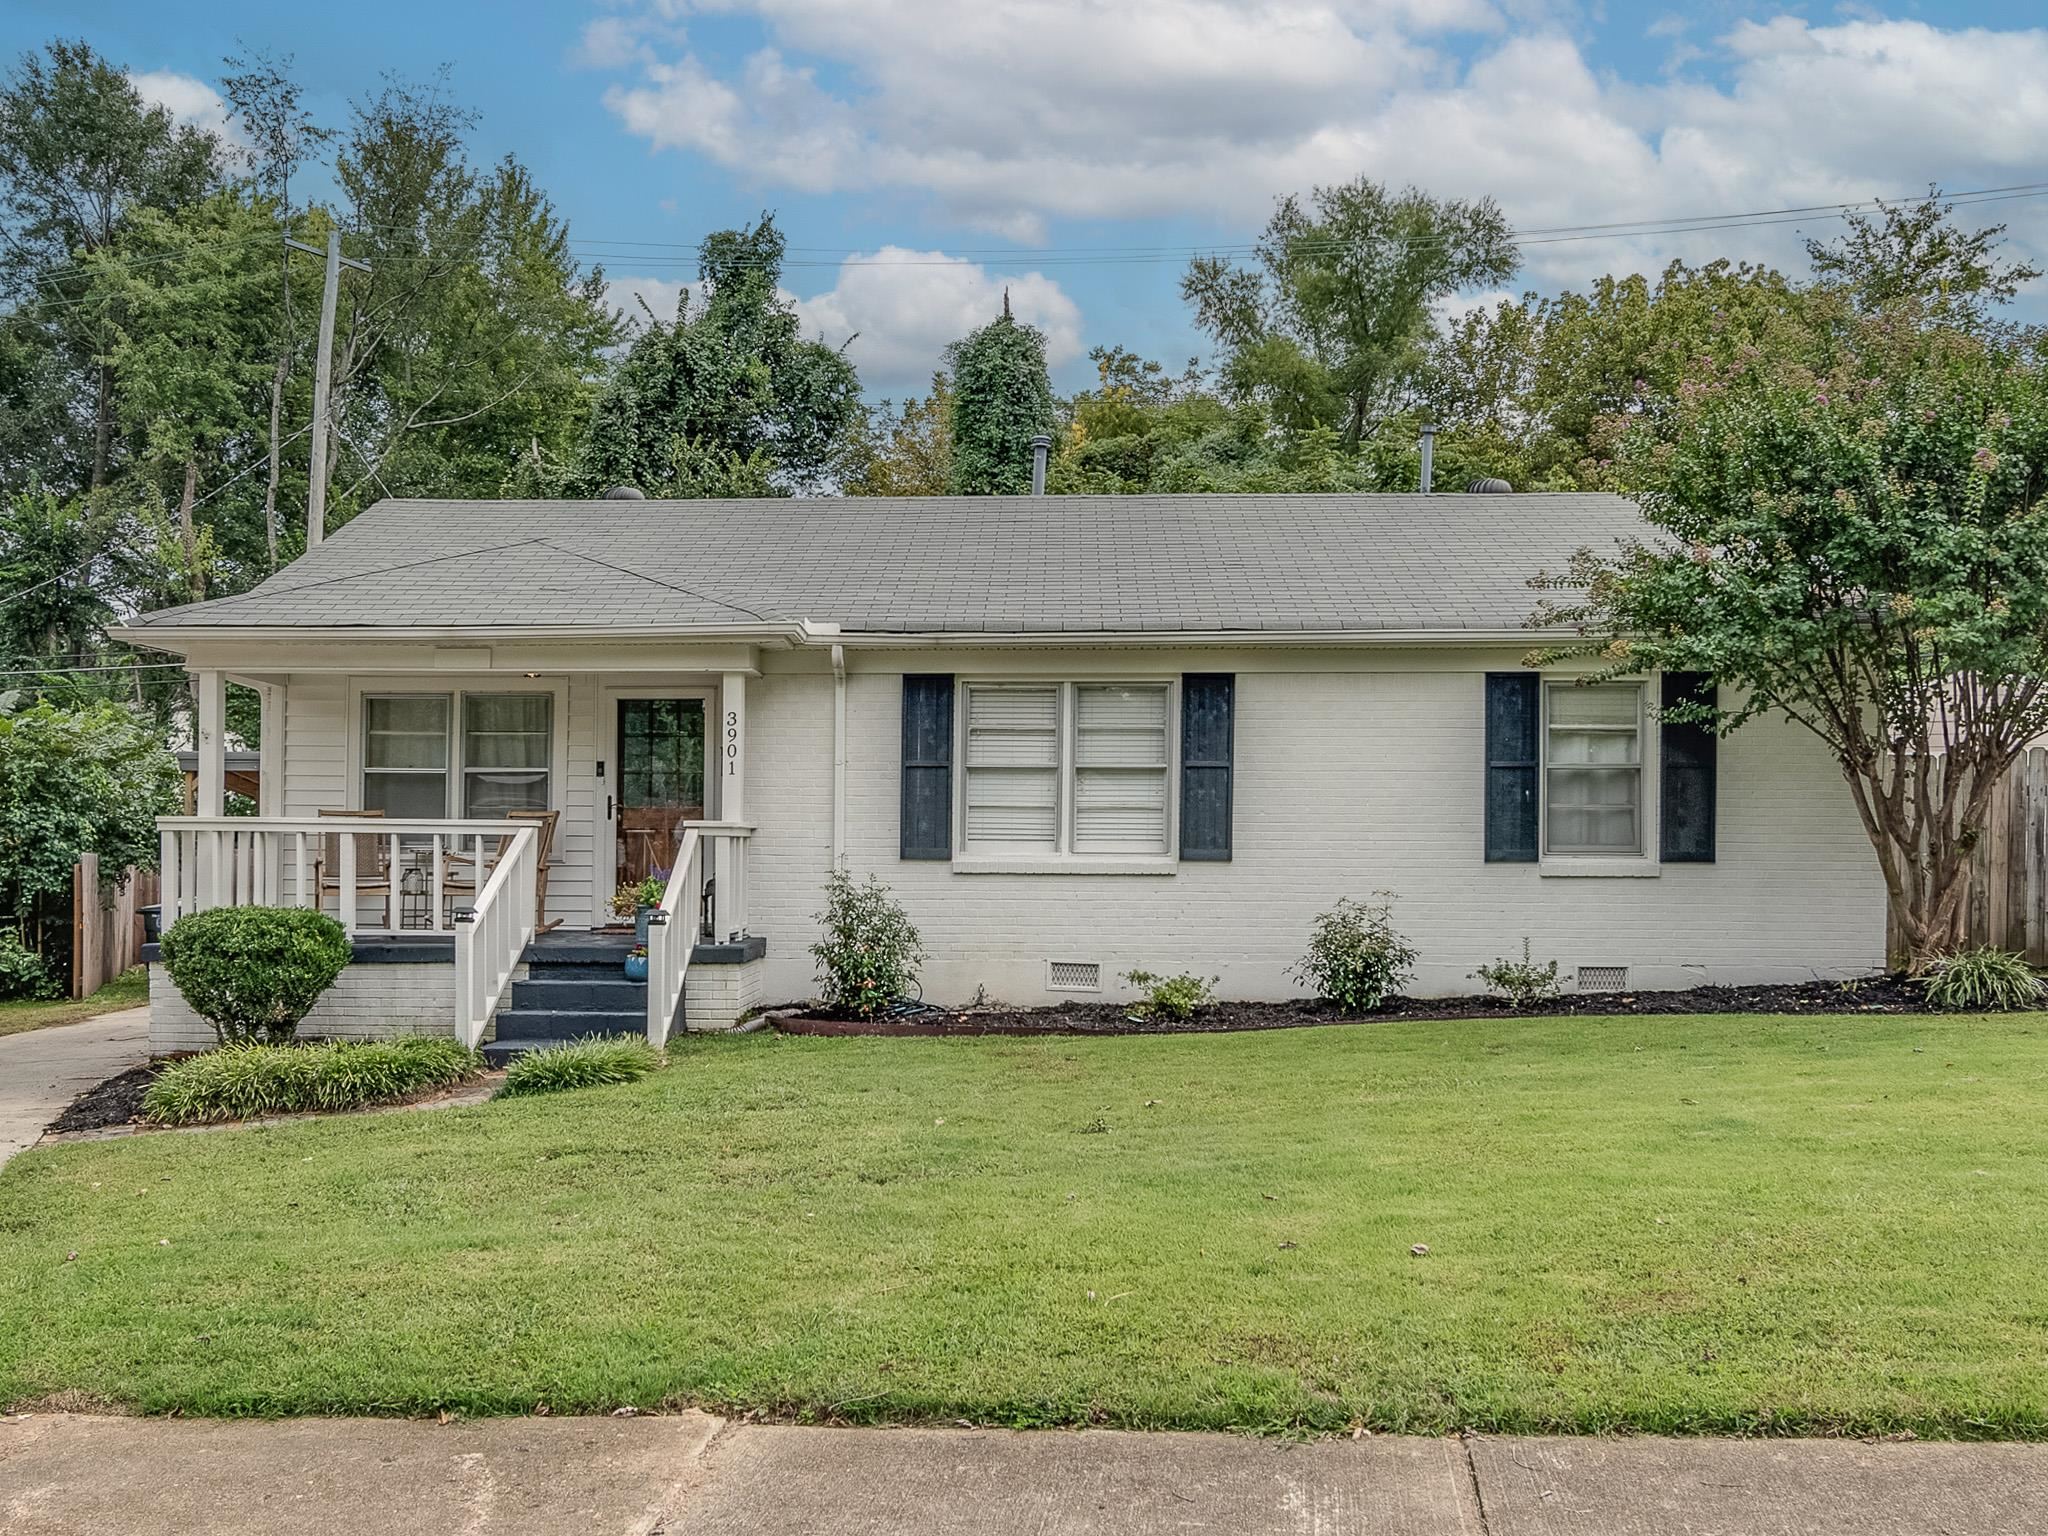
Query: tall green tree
[(1327, 327), (1002, 398), (1918, 252), (906, 449), (476, 337), (728, 399), (80, 155), (1864, 552), (187, 296)]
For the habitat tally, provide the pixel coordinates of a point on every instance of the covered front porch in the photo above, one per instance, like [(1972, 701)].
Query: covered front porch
[(452, 806)]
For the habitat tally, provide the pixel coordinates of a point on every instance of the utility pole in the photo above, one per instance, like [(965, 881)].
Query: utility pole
[(323, 375)]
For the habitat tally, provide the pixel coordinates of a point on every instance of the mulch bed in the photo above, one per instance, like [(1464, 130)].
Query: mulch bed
[(116, 1101), (1875, 994)]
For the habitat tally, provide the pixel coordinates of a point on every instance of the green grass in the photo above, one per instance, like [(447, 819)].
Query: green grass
[(243, 1081), (595, 1062), (1677, 1224), (128, 990)]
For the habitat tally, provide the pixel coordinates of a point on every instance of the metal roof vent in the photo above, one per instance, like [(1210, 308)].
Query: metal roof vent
[(1492, 485), (625, 493)]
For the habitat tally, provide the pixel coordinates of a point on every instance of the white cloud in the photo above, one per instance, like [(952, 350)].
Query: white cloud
[(903, 307), (900, 308), (1008, 115), (188, 99)]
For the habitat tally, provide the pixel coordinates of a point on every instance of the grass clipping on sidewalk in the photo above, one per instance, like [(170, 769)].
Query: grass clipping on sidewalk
[(240, 1082), (1726, 1224)]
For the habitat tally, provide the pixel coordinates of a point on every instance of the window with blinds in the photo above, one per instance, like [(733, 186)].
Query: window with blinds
[(1080, 768), (405, 754), (1013, 768), (502, 755), (1593, 769), (1120, 766), (507, 744)]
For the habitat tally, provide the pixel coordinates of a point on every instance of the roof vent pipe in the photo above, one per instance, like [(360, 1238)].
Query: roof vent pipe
[(1041, 445), (625, 493), (1428, 454)]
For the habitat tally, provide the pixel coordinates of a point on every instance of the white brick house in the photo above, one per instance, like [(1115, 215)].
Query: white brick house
[(1077, 735)]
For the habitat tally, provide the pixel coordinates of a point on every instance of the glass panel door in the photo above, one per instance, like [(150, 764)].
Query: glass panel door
[(661, 781)]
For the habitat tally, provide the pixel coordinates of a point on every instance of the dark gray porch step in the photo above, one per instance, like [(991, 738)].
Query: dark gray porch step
[(579, 989), (554, 1024), (552, 951)]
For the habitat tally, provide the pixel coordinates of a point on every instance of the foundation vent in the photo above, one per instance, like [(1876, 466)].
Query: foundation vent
[(1603, 978), (1073, 976)]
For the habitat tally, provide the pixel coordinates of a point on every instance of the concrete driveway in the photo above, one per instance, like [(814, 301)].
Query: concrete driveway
[(42, 1070), (694, 1475)]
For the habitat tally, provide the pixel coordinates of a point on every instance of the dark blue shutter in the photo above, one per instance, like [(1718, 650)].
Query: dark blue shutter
[(927, 816), (1686, 772), (1208, 701), (1511, 767)]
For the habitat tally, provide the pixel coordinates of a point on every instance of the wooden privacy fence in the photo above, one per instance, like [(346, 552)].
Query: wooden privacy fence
[(2007, 901), (106, 925)]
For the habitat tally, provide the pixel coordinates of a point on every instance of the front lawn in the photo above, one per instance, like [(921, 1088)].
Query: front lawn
[(1726, 1223), (128, 990)]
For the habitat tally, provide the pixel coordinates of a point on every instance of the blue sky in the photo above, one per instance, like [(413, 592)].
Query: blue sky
[(923, 154)]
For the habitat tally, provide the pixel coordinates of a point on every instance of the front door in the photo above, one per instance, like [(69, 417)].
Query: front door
[(660, 781)]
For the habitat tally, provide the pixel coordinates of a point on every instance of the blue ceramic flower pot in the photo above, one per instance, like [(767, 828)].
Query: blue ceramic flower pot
[(636, 967)]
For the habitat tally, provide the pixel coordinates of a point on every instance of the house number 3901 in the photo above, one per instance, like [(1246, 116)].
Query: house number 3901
[(732, 742)]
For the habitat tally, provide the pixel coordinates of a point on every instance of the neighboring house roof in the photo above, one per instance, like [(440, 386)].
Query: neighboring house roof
[(964, 565)]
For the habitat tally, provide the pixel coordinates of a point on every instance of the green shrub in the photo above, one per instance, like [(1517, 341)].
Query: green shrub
[(1172, 997), (22, 971), (870, 952), (254, 972), (1984, 978), (242, 1080), (587, 1063), (1523, 981), (1355, 957)]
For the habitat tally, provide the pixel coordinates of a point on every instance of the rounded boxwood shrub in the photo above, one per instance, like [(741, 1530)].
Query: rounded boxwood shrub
[(254, 972)]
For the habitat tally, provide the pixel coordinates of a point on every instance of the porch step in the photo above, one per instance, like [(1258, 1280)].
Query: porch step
[(574, 987), (579, 989)]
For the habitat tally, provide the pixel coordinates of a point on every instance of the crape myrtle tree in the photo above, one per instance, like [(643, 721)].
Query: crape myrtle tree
[(1861, 549)]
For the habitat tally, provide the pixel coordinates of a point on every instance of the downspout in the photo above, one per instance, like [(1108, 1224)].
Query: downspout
[(838, 756)]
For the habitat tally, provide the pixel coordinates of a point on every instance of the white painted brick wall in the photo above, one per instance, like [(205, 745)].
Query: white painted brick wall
[(715, 996), (367, 1002), (1347, 782)]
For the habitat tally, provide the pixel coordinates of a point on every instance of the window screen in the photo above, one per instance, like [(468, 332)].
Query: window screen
[(405, 755), (507, 746), (1593, 769)]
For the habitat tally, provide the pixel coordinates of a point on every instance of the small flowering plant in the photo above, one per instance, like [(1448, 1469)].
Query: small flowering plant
[(869, 952)]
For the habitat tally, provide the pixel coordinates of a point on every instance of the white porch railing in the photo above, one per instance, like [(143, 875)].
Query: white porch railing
[(379, 876), (491, 937), (706, 895)]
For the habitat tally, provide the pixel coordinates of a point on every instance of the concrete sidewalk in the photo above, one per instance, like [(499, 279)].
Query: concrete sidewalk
[(694, 1475), (42, 1070)]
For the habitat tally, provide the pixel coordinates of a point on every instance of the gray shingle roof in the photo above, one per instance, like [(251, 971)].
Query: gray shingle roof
[(1061, 564)]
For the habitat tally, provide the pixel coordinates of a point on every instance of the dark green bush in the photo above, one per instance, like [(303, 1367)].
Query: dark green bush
[(242, 1080), (869, 952), (22, 971), (1177, 998), (1355, 954), (587, 1063), (254, 972)]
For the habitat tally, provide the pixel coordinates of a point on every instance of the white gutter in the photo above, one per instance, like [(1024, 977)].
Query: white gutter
[(838, 757)]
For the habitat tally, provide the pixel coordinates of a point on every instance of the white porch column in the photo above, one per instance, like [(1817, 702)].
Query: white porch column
[(732, 748), (210, 740), (270, 749), (729, 876)]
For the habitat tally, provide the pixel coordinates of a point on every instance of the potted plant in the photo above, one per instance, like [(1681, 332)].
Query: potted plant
[(637, 899), (636, 963)]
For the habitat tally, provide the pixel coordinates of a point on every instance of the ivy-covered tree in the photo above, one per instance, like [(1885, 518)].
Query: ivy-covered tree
[(1864, 552), (1002, 398), (728, 399)]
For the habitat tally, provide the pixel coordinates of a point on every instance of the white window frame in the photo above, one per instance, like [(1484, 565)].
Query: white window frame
[(1061, 858), (363, 690), (1643, 863)]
